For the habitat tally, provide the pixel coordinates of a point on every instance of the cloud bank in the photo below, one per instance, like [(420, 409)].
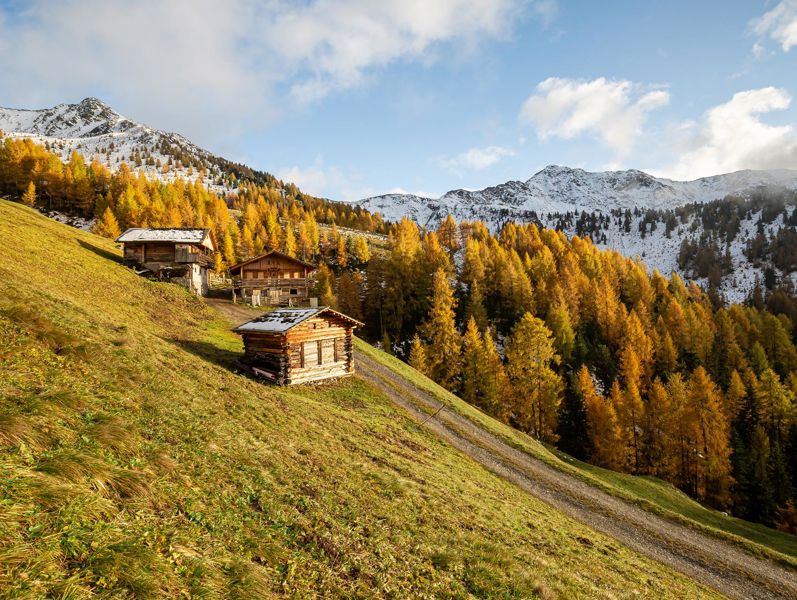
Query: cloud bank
[(613, 111), (732, 136), (210, 69)]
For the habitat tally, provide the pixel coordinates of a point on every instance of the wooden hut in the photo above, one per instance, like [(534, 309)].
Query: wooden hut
[(274, 278), (183, 256), (299, 345)]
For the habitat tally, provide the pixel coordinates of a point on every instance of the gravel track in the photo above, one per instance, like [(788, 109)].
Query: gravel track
[(718, 564)]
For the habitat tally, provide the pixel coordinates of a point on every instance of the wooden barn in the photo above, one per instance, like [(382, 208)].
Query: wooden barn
[(183, 256), (299, 345), (275, 279)]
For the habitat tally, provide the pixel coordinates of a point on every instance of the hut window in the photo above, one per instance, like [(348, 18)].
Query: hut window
[(310, 354), (294, 292)]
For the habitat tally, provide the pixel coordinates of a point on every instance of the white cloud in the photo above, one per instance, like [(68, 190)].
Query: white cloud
[(326, 181), (614, 111), (731, 136), (779, 24), (474, 159), (210, 69)]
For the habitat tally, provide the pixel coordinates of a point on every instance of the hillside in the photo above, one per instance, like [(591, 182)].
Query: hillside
[(137, 462)]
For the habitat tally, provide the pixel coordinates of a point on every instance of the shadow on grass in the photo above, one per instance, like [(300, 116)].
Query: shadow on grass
[(206, 351), (101, 252)]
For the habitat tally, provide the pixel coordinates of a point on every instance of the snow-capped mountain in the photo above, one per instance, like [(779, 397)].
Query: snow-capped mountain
[(628, 211), (558, 189), (97, 131)]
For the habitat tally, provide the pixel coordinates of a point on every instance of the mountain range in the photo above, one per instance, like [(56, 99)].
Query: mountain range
[(557, 189), (632, 206)]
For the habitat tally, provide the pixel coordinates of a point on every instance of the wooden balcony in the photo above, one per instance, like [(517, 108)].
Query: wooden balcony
[(273, 282)]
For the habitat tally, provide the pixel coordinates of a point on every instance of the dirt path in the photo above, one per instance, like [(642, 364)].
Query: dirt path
[(236, 314), (718, 564)]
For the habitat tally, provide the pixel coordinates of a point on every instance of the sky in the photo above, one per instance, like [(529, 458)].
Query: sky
[(354, 98)]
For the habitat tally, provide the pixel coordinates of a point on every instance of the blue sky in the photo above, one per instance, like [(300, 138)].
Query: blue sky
[(350, 98)]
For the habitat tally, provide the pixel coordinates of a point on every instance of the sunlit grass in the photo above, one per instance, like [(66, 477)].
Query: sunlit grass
[(649, 492), (136, 462)]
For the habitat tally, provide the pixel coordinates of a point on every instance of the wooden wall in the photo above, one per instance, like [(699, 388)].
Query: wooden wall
[(319, 348)]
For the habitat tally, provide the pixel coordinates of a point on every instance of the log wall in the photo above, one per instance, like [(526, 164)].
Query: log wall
[(319, 348)]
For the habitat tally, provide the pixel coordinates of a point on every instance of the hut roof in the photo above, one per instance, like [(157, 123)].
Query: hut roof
[(236, 268), (176, 235), (283, 319)]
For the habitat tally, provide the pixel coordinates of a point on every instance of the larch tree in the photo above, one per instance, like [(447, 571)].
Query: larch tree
[(341, 253), (29, 197), (659, 431), (710, 432), (289, 242), (497, 392), (444, 341), (324, 287), (418, 359), (107, 226), (631, 410), (605, 439), (473, 365), (537, 387)]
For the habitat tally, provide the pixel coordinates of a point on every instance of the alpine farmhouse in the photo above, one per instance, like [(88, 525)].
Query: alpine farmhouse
[(182, 256)]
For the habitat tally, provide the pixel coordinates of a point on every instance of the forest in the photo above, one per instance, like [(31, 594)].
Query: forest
[(580, 347)]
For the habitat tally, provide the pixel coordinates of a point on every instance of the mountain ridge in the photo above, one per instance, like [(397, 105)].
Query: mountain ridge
[(96, 130), (559, 189)]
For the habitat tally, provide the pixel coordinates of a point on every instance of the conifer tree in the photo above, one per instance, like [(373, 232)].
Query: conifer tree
[(558, 321), (29, 197), (711, 439), (341, 253), (361, 251), (497, 392), (441, 332), (228, 249), (418, 359), (107, 226), (605, 439), (323, 289), (289, 242), (473, 364), (537, 387)]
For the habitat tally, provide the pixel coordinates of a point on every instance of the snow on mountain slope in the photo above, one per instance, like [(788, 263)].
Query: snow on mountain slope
[(556, 191), (562, 189), (95, 130)]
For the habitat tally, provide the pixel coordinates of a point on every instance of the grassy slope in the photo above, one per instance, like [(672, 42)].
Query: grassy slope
[(649, 492), (134, 462)]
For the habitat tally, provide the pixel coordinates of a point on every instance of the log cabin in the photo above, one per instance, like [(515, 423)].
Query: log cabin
[(275, 279), (299, 345), (182, 256)]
